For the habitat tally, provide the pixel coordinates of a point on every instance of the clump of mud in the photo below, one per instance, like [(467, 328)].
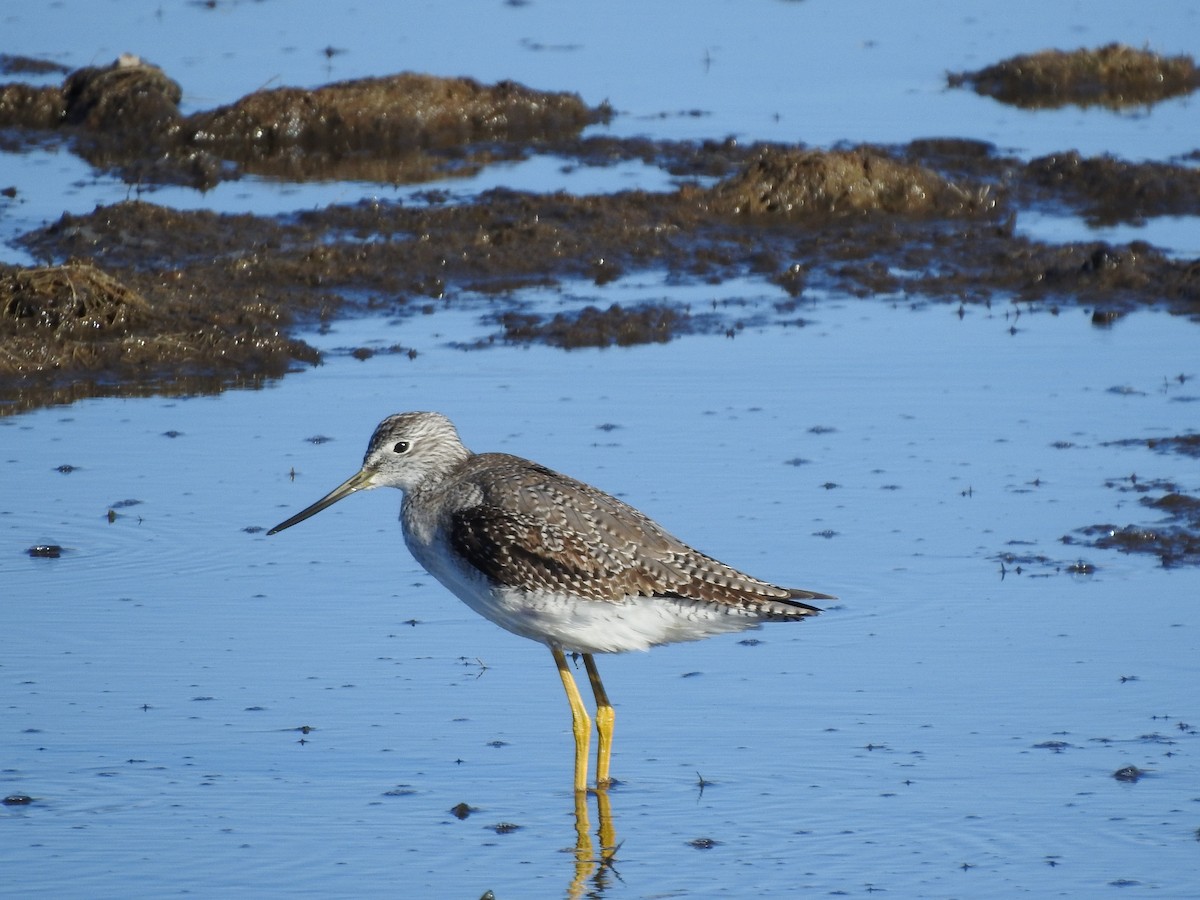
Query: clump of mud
[(791, 183), (1174, 538), (1107, 190), (73, 330), (1115, 76), (25, 105), (383, 129), (129, 94), (396, 129), (592, 327)]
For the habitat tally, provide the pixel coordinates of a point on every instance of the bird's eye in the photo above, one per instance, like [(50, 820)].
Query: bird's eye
[(401, 447)]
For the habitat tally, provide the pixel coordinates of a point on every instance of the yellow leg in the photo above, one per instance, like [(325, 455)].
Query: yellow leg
[(605, 719), (581, 724)]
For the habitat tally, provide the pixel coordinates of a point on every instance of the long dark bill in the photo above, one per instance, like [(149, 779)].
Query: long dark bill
[(357, 482)]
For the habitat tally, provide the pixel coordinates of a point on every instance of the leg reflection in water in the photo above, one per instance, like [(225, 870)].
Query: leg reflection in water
[(590, 865)]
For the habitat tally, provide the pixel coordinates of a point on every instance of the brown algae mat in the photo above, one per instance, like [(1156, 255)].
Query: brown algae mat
[(73, 331), (402, 128), (136, 297)]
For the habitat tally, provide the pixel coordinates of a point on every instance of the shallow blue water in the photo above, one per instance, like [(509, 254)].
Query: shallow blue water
[(948, 728), (156, 673)]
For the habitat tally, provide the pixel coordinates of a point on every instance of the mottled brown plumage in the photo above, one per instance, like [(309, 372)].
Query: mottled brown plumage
[(540, 530)]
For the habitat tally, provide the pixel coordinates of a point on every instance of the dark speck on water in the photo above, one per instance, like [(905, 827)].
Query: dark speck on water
[(1128, 773), (1056, 746)]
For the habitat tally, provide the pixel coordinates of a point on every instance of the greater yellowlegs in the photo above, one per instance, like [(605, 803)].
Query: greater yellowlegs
[(555, 560)]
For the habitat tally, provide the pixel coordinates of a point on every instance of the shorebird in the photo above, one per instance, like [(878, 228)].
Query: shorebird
[(555, 560)]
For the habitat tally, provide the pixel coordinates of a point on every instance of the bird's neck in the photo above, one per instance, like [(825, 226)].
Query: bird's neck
[(448, 467)]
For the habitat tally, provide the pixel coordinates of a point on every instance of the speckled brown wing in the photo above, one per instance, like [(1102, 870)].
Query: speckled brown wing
[(537, 529)]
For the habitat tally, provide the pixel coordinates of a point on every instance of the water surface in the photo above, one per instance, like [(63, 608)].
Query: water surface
[(946, 729)]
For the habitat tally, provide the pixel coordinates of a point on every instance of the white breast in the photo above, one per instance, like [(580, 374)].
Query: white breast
[(572, 623)]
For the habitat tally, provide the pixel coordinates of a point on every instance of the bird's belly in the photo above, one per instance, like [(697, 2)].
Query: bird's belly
[(606, 626), (577, 624), (582, 625)]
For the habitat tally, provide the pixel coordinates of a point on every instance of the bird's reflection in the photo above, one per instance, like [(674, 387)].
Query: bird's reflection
[(594, 871)]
